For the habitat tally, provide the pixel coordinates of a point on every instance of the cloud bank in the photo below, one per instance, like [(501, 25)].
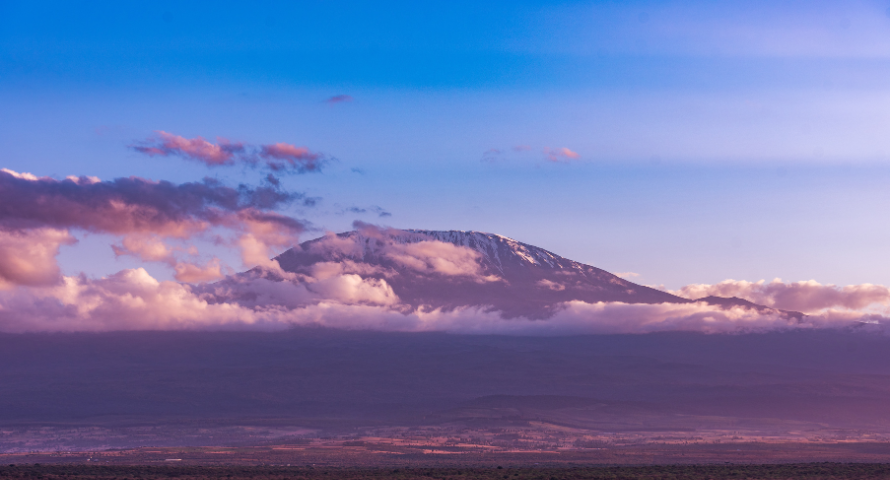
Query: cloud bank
[(278, 157), (808, 297), (133, 300)]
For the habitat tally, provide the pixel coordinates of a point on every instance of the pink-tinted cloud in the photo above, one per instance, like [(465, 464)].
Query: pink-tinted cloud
[(421, 254), (433, 256), (338, 99), (142, 211), (550, 154), (559, 154), (128, 205), (148, 248), (284, 157), (549, 284), (28, 257), (809, 296), (279, 157), (198, 149), (193, 273)]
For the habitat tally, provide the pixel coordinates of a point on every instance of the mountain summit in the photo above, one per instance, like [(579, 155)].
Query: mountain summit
[(451, 269)]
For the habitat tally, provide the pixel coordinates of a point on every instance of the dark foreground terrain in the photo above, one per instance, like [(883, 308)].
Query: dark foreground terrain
[(385, 454), (438, 393), (820, 471)]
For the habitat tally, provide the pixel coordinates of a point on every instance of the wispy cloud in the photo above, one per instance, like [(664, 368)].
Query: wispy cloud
[(278, 157), (559, 154), (374, 209), (338, 99), (211, 154), (553, 155), (492, 155), (627, 274)]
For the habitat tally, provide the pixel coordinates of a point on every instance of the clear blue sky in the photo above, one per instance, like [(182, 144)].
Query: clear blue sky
[(715, 139)]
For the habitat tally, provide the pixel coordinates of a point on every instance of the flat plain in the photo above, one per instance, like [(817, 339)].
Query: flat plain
[(820, 471)]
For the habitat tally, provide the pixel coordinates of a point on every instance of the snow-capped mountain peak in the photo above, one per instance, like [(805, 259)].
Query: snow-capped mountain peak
[(451, 269)]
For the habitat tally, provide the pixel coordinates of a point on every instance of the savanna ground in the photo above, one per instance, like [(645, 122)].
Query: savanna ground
[(312, 458), (665, 472)]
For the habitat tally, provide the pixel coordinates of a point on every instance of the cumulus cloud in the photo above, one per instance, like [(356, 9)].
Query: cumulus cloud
[(133, 300), (28, 257), (149, 248), (193, 273), (808, 297), (278, 157)]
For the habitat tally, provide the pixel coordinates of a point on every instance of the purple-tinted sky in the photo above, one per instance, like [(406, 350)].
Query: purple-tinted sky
[(686, 142)]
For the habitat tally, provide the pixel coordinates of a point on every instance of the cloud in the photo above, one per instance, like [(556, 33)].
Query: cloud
[(559, 154), (496, 154), (413, 251), (36, 214), (338, 99), (28, 257), (372, 209), (279, 157), (283, 157), (198, 149), (492, 155), (133, 300), (127, 205), (551, 285), (433, 256), (262, 231), (149, 248), (419, 253), (627, 274), (807, 297), (192, 273), (550, 154)]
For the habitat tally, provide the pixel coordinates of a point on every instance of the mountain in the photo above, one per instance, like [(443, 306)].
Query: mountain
[(450, 269)]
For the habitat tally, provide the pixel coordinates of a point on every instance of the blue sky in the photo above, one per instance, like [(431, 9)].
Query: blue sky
[(715, 140)]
